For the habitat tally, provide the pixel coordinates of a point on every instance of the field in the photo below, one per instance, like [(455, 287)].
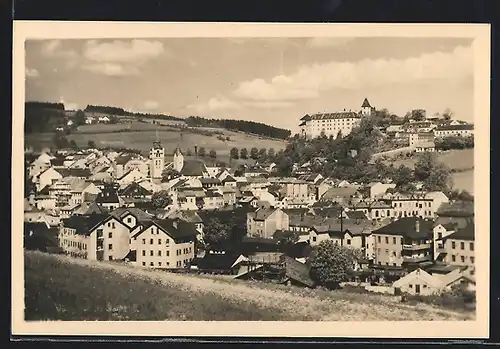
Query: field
[(61, 288), (460, 161), (137, 135)]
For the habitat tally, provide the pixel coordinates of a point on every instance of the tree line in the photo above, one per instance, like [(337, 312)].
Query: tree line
[(42, 116), (261, 154), (454, 142), (239, 125)]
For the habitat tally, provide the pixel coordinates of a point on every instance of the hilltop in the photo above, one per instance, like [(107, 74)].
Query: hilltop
[(62, 288)]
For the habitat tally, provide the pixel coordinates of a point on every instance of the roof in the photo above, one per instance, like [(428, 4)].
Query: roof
[(366, 103), (407, 227), (193, 168), (210, 180), (88, 208), (177, 229), (177, 150), (262, 213), (83, 224), (455, 127), (121, 212), (422, 274), (74, 172), (135, 189), (217, 261), (107, 195), (228, 179), (336, 115), (466, 233), (456, 209), (339, 192), (297, 271), (356, 215), (123, 159)]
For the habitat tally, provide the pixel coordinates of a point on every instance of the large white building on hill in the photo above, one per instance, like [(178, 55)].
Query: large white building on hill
[(331, 124)]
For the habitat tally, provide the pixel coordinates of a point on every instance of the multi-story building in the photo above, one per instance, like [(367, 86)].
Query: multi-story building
[(457, 248), (157, 160), (463, 130), (265, 221), (333, 124), (412, 205), (406, 242), (166, 243)]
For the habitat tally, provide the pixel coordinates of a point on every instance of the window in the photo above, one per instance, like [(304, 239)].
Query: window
[(144, 253), (159, 253), (453, 244), (99, 233), (143, 264), (394, 241), (129, 220), (314, 238), (110, 258), (379, 238), (453, 258), (424, 286), (144, 241), (386, 239), (113, 225), (394, 264), (110, 246), (411, 285), (168, 253), (159, 241), (440, 235), (471, 246), (462, 245), (159, 264), (151, 241), (348, 241), (151, 264), (110, 235), (462, 258), (472, 259), (151, 253)]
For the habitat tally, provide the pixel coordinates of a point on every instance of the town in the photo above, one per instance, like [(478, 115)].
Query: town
[(181, 211)]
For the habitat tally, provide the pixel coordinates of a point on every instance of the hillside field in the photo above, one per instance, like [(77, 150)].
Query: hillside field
[(62, 288), (461, 161), (141, 136)]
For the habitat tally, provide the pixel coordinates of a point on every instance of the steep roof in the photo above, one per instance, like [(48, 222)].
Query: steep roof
[(83, 224), (465, 233), (107, 196), (123, 159), (121, 212), (262, 213), (74, 172), (411, 227), (297, 271), (177, 229), (193, 168), (177, 150), (366, 103)]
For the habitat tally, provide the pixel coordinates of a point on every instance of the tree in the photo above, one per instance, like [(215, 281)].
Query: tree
[(60, 141), (434, 174), (168, 174), (447, 114), (271, 153), (80, 118), (113, 119), (331, 264), (216, 232), (200, 203), (202, 151), (244, 153), (234, 153), (262, 154), (254, 153), (73, 144), (213, 154), (91, 144), (161, 199), (189, 152), (418, 115)]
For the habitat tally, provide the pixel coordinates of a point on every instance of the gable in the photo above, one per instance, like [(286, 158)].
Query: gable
[(110, 219)]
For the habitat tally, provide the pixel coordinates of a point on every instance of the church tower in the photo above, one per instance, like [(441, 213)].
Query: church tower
[(366, 108), (157, 160), (178, 159)]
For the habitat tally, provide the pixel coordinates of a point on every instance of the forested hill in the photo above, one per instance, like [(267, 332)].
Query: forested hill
[(44, 116), (240, 125)]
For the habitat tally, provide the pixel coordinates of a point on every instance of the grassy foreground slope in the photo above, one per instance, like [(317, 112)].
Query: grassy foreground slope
[(61, 288)]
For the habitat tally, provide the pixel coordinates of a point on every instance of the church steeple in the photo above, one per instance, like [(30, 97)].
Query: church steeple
[(177, 150), (178, 159)]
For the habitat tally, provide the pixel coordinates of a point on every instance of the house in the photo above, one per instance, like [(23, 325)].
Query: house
[(89, 120), (425, 146), (412, 205), (194, 168), (137, 164), (418, 282), (102, 174), (255, 172), (40, 164), (457, 248), (265, 221), (189, 198), (210, 182), (131, 176), (74, 236), (340, 194), (108, 198), (40, 236), (378, 189), (406, 242), (228, 195), (213, 200), (165, 244), (219, 263), (461, 130), (45, 202), (104, 119), (46, 178), (136, 191), (296, 273), (229, 181), (311, 178)]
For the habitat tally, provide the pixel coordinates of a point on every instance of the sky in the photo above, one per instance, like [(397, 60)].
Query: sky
[(271, 80)]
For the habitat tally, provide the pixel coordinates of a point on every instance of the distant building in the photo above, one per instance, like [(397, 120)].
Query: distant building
[(463, 130), (331, 124)]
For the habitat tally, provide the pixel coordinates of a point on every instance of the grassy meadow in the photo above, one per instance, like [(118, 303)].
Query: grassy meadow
[(62, 288), (140, 136)]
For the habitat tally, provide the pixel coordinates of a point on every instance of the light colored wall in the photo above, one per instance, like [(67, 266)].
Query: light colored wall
[(119, 239)]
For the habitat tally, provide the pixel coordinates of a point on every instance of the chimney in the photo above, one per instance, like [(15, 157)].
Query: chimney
[(417, 225), (174, 223)]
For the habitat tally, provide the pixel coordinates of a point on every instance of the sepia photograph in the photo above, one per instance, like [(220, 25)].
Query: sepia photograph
[(321, 175)]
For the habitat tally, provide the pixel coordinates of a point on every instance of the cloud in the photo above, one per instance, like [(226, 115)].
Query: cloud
[(310, 80), (32, 73), (328, 42), (55, 49), (134, 51), (215, 104), (151, 105), (112, 69)]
